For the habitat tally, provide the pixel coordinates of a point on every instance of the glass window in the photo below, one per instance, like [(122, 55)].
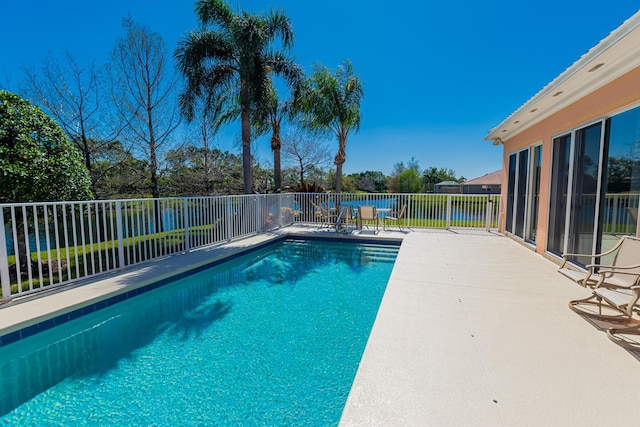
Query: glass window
[(622, 185)]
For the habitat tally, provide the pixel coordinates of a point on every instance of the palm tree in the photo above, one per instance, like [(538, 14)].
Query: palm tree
[(233, 52), (332, 104), (269, 117)]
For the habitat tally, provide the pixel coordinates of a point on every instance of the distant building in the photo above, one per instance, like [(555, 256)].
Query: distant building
[(490, 183), (447, 187)]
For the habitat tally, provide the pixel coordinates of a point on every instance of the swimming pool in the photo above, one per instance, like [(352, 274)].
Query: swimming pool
[(273, 337)]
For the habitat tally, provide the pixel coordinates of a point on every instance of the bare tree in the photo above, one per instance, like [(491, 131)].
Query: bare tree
[(74, 96), (144, 89), (305, 150), (213, 110)]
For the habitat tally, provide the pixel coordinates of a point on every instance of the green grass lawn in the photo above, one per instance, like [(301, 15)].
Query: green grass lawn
[(64, 264)]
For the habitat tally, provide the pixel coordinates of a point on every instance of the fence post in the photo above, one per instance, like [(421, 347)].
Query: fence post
[(448, 219), (229, 219), (119, 234), (614, 214), (260, 221), (4, 262), (489, 211), (407, 214), (279, 210), (185, 221)]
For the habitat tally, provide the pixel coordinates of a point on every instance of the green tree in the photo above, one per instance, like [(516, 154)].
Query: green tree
[(349, 184), (332, 104), (201, 171), (432, 176), (409, 181), (234, 50), (37, 161)]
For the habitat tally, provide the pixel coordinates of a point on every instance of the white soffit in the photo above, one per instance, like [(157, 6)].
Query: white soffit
[(614, 56)]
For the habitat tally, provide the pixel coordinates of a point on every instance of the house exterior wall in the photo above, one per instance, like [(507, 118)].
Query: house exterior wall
[(617, 95)]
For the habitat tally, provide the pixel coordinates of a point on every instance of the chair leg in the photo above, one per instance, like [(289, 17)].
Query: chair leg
[(631, 330), (588, 300)]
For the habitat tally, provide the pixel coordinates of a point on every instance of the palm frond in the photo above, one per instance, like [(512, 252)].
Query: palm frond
[(278, 25), (214, 12)]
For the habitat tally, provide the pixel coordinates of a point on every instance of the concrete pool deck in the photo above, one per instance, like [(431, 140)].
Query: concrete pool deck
[(473, 329)]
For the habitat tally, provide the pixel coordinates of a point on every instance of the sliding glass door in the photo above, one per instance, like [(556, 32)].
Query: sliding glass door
[(584, 226), (560, 167), (574, 210), (534, 194), (522, 192)]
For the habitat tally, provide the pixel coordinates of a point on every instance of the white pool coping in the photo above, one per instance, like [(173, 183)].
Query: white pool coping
[(473, 329)]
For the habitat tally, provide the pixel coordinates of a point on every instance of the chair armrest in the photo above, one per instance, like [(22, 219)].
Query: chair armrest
[(620, 270), (565, 256), (605, 273)]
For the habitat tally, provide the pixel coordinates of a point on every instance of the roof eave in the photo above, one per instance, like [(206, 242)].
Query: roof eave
[(615, 55)]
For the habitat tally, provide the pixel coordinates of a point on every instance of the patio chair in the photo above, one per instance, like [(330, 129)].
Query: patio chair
[(623, 299), (617, 286), (626, 262), (367, 213), (399, 218)]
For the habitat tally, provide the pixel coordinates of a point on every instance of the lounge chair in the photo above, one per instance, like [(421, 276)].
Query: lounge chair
[(399, 218), (626, 260), (367, 213)]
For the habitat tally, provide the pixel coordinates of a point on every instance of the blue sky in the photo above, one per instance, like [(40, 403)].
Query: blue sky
[(437, 75)]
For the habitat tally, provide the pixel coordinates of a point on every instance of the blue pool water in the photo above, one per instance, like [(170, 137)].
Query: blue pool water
[(271, 338)]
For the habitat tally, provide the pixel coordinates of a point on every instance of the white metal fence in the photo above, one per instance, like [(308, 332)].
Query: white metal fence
[(470, 211), (620, 213), (49, 244)]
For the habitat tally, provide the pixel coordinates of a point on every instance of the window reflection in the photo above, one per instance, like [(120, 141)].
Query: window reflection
[(620, 210)]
